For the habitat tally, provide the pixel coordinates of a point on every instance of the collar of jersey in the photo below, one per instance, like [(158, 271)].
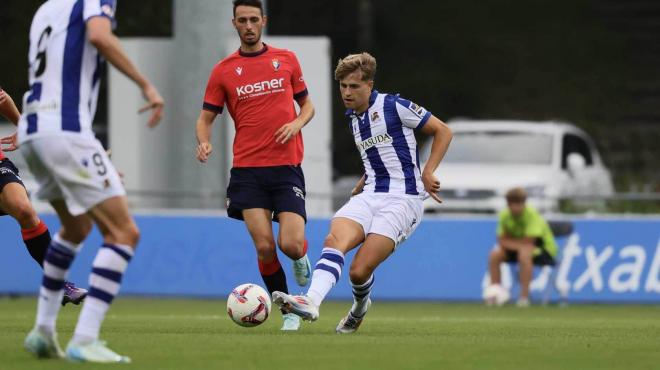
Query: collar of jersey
[(253, 54), (372, 100)]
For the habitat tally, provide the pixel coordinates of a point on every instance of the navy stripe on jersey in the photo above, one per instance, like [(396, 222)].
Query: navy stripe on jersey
[(395, 129), (32, 118), (382, 176), (72, 68)]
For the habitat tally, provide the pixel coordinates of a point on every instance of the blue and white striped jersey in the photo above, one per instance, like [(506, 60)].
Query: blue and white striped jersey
[(385, 138), (64, 69)]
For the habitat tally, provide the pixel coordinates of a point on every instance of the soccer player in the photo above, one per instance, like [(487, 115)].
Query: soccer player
[(523, 236), (14, 201), (386, 206), (258, 84), (69, 41)]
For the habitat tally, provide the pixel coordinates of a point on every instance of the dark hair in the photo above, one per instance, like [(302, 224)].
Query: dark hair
[(516, 195), (254, 3)]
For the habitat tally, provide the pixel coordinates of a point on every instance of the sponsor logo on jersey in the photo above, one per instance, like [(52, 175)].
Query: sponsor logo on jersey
[(261, 87), (107, 10), (276, 64), (420, 111), (374, 141), (374, 116), (239, 70)]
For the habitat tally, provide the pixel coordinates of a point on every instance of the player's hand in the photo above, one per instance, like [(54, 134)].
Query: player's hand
[(431, 185), (204, 151), (155, 103), (359, 187), (286, 132), (11, 141)]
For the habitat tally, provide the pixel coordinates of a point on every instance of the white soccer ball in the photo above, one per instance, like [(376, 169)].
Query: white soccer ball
[(496, 295), (248, 305)]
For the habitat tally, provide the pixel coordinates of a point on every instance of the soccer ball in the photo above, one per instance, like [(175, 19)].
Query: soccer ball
[(496, 295), (248, 305)]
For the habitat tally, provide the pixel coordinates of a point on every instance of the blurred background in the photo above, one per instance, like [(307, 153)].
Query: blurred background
[(560, 97)]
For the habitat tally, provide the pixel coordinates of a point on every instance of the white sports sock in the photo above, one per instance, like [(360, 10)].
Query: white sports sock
[(57, 262), (326, 274), (361, 294), (104, 283)]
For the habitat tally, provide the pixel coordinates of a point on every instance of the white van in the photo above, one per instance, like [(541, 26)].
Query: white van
[(486, 158)]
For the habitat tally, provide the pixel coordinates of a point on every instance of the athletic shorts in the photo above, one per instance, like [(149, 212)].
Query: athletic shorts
[(277, 188), (393, 216), (541, 256), (8, 174), (75, 169)]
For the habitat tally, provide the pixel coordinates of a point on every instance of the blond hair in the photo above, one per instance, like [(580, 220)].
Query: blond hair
[(362, 62)]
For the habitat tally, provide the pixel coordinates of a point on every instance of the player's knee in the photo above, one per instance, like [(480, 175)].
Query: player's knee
[(294, 248), (497, 255), (331, 241), (359, 273), (25, 215), (127, 234), (525, 255), (265, 248)]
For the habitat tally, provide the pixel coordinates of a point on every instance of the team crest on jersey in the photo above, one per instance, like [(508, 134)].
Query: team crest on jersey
[(276, 64), (239, 70), (107, 10), (420, 111), (374, 116)]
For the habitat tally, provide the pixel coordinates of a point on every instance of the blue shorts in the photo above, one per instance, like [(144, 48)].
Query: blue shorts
[(277, 188)]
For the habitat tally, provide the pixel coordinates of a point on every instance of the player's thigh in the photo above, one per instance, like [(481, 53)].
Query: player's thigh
[(48, 188), (286, 187), (15, 202), (397, 218), (376, 249), (74, 228), (246, 191), (115, 221), (345, 234), (259, 224), (292, 230)]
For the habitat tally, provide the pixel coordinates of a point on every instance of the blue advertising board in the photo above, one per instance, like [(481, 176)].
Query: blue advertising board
[(604, 260)]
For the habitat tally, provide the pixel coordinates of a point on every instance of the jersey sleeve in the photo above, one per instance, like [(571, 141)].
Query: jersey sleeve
[(100, 8), (534, 226), (297, 80), (411, 114), (214, 97)]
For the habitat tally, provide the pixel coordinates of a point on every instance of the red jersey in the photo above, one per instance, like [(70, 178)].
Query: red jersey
[(259, 89)]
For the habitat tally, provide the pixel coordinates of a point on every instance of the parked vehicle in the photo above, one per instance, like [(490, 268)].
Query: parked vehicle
[(550, 160)]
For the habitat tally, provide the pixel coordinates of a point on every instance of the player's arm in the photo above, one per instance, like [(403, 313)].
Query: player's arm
[(442, 136), (8, 108), (359, 186), (291, 129), (203, 130), (99, 31)]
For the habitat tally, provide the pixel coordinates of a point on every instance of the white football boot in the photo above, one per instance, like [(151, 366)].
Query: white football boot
[(297, 304)]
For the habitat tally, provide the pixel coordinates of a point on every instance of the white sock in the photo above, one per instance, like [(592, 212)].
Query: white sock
[(361, 294), (59, 256), (326, 274), (104, 282)]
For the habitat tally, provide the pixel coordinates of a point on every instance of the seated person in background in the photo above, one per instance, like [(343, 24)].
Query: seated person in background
[(523, 236)]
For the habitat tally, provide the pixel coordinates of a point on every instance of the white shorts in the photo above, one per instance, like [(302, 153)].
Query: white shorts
[(77, 170), (393, 216)]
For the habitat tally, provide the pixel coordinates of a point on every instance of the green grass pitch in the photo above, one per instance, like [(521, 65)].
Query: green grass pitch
[(197, 334)]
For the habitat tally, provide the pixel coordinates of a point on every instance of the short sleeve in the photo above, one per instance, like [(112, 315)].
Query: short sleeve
[(100, 8), (297, 80), (411, 114), (534, 226), (214, 97)]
